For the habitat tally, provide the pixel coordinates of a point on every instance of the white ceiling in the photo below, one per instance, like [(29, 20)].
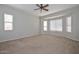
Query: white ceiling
[(52, 8)]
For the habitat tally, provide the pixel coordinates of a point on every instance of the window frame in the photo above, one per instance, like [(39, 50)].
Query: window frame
[(69, 25), (55, 20), (45, 26), (8, 22)]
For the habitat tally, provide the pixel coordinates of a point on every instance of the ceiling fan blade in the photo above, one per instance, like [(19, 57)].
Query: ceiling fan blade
[(37, 9), (38, 5), (45, 9), (46, 5)]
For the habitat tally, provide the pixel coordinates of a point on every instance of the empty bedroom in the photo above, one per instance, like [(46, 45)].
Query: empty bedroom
[(39, 28)]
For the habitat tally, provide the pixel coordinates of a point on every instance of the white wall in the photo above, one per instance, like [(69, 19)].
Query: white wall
[(74, 13), (24, 24)]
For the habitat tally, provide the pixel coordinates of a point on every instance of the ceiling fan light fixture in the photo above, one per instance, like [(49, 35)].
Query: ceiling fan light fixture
[(42, 7)]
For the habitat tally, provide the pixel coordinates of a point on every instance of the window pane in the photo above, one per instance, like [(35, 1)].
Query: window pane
[(8, 18), (52, 25), (69, 21), (59, 25), (69, 29), (8, 22), (8, 26), (45, 28), (45, 25), (68, 24), (56, 25)]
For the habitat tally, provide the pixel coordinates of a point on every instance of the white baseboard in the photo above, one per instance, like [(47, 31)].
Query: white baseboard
[(62, 35), (75, 39), (19, 37)]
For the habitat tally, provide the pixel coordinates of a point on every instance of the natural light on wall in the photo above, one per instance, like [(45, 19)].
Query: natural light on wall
[(8, 22), (68, 24), (45, 25), (56, 25)]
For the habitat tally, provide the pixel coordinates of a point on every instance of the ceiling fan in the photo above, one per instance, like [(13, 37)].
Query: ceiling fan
[(42, 7)]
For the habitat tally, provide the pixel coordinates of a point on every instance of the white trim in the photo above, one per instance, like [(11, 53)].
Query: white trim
[(19, 37)]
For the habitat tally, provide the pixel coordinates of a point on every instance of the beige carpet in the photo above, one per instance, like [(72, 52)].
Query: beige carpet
[(41, 44)]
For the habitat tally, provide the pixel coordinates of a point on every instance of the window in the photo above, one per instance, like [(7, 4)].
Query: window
[(8, 22), (52, 25), (56, 25), (45, 25), (68, 24), (59, 25)]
